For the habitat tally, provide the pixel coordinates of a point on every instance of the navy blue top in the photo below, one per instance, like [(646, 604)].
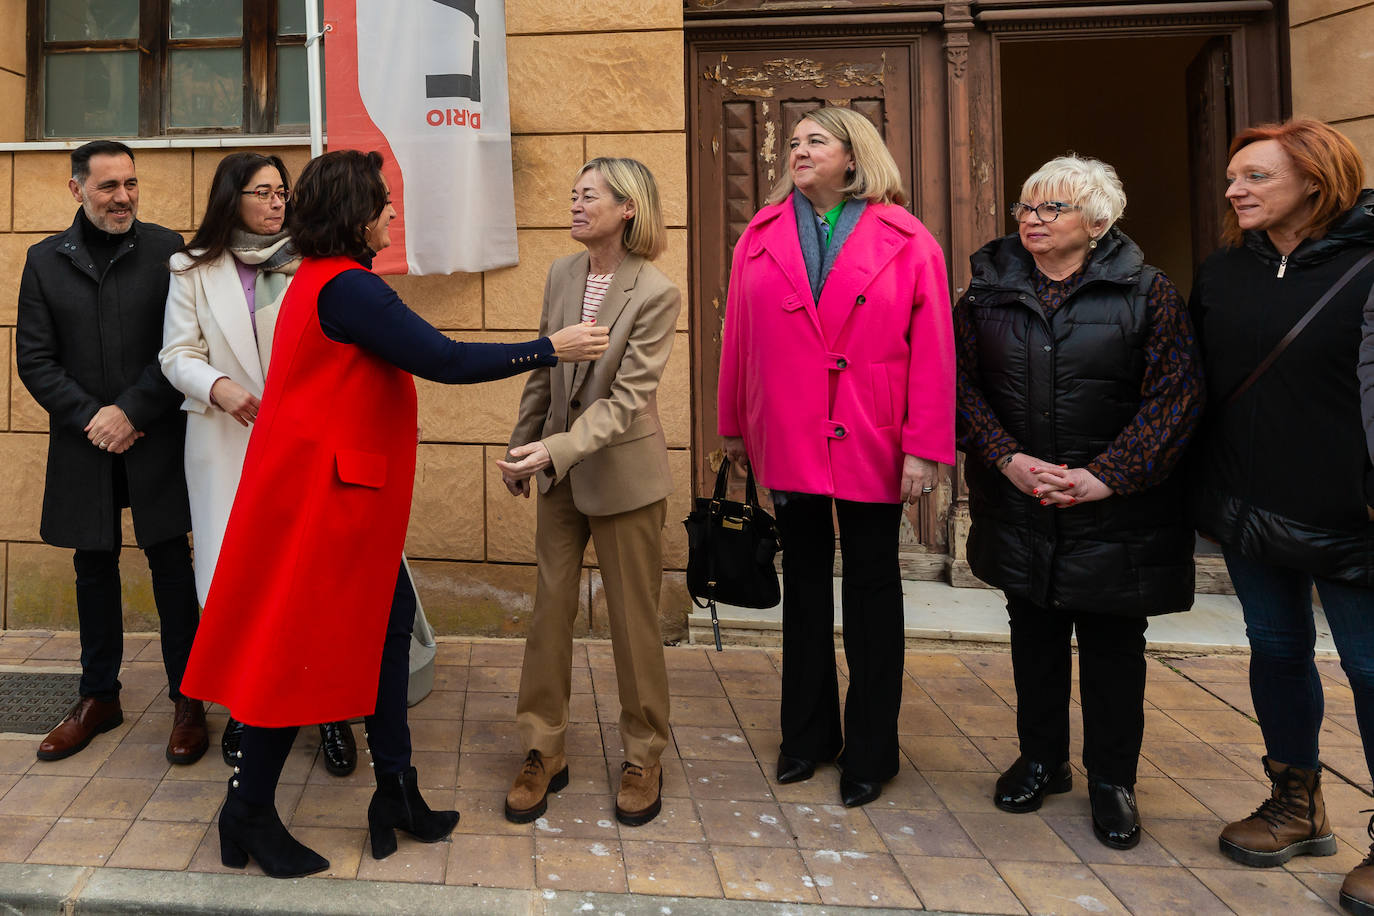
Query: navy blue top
[(358, 307)]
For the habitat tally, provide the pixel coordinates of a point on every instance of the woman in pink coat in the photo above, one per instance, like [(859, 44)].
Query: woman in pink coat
[(837, 384)]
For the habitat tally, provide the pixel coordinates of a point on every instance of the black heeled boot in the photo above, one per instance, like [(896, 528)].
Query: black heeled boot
[(397, 805), (256, 831), (229, 742)]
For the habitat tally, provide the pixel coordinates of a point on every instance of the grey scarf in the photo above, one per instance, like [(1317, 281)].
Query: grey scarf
[(271, 253), (820, 259)]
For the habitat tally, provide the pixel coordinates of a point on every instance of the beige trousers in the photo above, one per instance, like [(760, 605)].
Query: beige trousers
[(629, 547)]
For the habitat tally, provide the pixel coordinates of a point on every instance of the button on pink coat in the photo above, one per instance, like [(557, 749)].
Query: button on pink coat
[(829, 397)]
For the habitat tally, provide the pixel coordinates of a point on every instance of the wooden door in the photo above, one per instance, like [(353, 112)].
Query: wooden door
[(745, 97), (1208, 82)]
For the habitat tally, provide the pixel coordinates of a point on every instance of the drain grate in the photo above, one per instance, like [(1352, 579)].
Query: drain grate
[(33, 704)]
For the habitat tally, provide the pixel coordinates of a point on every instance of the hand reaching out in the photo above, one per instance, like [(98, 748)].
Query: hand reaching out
[(579, 343)]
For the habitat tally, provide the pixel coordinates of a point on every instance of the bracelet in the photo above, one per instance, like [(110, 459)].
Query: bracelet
[(1004, 461)]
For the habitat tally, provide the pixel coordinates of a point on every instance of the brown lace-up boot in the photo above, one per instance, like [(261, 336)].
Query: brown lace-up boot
[(1291, 822), (1357, 893), (528, 799)]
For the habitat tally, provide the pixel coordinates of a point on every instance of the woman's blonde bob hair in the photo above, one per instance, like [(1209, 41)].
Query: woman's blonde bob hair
[(875, 176), (1088, 183), (630, 179)]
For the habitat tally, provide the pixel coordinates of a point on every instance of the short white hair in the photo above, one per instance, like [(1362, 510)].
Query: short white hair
[(1088, 183)]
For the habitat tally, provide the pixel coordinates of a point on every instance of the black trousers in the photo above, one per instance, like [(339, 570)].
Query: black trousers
[(874, 645), (100, 607), (388, 728), (1111, 680)]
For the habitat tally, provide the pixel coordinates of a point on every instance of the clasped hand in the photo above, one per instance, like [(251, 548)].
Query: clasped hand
[(235, 400), (1053, 484), (523, 463), (111, 431)]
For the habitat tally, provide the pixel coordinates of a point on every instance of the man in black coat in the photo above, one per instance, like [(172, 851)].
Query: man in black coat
[(91, 302)]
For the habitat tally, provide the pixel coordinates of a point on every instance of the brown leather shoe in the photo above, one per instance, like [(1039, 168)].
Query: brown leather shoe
[(1357, 893), (641, 794), (540, 775), (1291, 822), (88, 718), (189, 736)]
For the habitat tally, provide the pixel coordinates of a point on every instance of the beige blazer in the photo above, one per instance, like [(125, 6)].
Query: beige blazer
[(599, 420)]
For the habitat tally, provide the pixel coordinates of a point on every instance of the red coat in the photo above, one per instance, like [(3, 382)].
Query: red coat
[(293, 626)]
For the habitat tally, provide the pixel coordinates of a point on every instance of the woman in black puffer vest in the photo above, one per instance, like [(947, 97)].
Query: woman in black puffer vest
[(1281, 467), (1078, 389)]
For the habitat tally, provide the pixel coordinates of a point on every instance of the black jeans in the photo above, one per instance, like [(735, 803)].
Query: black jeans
[(1284, 683), (1111, 680), (100, 608), (874, 644), (388, 729)]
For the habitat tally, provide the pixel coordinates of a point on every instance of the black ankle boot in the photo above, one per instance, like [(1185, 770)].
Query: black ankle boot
[(397, 804), (255, 831), (230, 740)]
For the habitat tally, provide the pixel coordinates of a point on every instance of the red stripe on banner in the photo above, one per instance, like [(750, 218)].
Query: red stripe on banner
[(350, 127)]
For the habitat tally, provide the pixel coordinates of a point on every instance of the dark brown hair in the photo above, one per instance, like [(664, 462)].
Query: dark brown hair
[(337, 196), (1320, 152), (222, 212)]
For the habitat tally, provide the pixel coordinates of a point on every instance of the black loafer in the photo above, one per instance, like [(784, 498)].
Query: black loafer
[(1116, 821), (794, 769), (338, 747), (1025, 784), (856, 792), (229, 742)]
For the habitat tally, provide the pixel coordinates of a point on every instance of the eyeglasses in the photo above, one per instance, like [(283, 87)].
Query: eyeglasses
[(266, 194), (1048, 211)]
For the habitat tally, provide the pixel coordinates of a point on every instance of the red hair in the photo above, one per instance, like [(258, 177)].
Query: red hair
[(1323, 154)]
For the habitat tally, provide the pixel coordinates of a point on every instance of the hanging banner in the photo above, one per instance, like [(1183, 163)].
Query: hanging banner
[(423, 82)]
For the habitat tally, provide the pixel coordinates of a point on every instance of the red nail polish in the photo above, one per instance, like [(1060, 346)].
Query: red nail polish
[(1035, 492), (1033, 470), (1044, 502), (1073, 499), (1068, 485)]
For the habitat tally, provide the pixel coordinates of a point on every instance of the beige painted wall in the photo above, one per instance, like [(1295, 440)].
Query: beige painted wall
[(1333, 68), (587, 78)]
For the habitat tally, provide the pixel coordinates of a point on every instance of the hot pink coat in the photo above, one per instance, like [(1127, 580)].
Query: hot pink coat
[(830, 397)]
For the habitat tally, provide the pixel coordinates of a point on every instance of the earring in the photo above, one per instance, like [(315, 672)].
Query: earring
[(1093, 243)]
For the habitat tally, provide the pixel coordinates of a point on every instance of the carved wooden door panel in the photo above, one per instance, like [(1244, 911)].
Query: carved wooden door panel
[(745, 98)]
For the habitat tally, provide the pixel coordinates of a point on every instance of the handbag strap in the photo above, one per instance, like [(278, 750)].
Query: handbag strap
[(1298, 328)]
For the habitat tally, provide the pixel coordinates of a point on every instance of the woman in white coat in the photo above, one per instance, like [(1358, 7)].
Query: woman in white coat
[(217, 336)]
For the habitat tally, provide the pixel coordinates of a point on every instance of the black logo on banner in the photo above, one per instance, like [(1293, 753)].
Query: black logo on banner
[(459, 85)]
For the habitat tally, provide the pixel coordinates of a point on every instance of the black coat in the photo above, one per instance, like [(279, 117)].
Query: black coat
[(1280, 475), (85, 340), (1065, 387)]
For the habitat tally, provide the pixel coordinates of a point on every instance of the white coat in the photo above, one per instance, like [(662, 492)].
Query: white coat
[(207, 335)]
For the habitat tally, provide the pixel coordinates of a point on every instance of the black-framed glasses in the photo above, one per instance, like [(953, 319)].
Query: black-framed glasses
[(266, 194), (1048, 211)]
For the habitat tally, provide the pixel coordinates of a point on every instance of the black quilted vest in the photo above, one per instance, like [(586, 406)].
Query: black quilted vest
[(1065, 387)]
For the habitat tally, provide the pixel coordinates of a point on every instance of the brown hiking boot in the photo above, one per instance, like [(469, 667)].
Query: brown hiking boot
[(1291, 822), (641, 794), (540, 775), (1357, 893)]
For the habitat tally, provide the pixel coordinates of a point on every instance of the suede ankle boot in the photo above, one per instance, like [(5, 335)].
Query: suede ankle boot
[(1357, 893), (1291, 822), (397, 805), (247, 830)]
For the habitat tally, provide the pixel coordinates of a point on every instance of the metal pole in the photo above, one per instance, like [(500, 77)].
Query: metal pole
[(313, 34)]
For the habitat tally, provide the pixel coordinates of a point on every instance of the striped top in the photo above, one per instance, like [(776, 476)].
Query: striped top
[(597, 284)]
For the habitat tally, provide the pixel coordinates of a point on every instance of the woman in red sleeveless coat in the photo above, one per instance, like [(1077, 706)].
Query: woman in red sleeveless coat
[(309, 613)]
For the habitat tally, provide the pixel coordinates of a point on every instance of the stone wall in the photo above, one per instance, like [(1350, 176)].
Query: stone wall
[(1333, 68), (587, 78)]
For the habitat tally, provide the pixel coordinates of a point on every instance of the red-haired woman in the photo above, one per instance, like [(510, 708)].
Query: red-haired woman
[(1281, 463)]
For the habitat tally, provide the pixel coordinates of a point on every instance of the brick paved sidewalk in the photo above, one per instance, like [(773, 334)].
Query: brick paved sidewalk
[(727, 830)]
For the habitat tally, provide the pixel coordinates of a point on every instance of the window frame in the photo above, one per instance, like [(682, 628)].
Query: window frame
[(259, 42)]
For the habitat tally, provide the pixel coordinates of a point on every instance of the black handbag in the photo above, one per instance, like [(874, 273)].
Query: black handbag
[(730, 550)]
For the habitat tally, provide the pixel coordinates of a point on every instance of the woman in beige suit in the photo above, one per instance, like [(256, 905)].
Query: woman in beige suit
[(216, 339), (589, 435)]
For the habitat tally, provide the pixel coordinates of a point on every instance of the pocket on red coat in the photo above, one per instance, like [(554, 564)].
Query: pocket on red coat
[(364, 469)]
